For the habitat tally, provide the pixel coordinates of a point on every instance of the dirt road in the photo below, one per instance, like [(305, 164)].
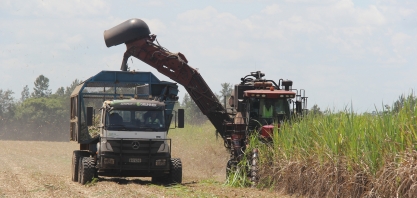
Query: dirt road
[(42, 169)]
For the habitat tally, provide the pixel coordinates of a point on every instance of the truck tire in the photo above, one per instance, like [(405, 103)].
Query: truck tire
[(76, 155), (87, 170), (176, 171), (160, 179)]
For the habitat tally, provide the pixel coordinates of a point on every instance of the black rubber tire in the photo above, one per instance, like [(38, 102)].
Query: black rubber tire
[(80, 169), (160, 179), (76, 155), (87, 170), (175, 174), (230, 167)]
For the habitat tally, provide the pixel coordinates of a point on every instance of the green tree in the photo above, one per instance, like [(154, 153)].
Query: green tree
[(193, 114), (315, 110), (218, 96), (402, 100), (386, 109), (60, 92), (41, 88), (6, 104), (71, 88), (24, 94), (43, 118), (226, 92), (42, 110)]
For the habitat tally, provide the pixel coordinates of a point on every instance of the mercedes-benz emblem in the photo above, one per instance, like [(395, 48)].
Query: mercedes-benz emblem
[(135, 145)]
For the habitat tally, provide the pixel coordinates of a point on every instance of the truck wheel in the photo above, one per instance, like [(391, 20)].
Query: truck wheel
[(87, 170), (176, 171), (76, 155), (160, 179)]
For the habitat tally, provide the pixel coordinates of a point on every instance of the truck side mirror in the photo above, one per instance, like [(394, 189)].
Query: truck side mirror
[(89, 116), (180, 118)]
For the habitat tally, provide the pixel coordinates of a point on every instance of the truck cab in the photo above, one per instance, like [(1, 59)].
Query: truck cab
[(125, 136), (133, 119), (133, 139)]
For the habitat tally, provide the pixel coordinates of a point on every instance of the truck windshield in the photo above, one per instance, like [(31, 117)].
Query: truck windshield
[(133, 120)]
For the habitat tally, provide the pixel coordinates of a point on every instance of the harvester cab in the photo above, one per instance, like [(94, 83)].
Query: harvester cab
[(262, 104)]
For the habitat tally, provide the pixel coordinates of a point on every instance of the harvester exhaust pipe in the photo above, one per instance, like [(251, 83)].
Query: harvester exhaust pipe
[(127, 31)]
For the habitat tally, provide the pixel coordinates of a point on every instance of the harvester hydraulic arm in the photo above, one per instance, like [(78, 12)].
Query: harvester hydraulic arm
[(175, 66)]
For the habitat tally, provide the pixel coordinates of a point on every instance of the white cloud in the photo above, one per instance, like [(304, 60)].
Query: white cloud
[(287, 29), (394, 61), (318, 44), (156, 3), (221, 29), (405, 12), (155, 25), (192, 16), (69, 42), (271, 10), (312, 1), (372, 16), (209, 19), (62, 9), (400, 38)]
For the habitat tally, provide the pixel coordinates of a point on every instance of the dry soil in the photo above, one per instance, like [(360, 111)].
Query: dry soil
[(43, 169)]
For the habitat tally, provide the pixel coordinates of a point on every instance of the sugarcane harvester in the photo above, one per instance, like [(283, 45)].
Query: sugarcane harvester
[(258, 105)]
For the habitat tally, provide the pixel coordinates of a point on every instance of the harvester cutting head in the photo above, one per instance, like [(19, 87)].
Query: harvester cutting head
[(129, 30)]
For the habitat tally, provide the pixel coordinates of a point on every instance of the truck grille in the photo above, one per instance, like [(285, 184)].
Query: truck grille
[(136, 154), (140, 146)]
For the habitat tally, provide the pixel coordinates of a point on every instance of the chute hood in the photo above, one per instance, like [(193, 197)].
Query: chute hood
[(127, 31)]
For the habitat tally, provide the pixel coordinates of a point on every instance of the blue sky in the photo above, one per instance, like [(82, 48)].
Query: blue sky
[(340, 52)]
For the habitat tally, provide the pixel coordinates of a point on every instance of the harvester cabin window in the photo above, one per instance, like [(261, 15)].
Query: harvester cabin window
[(274, 107), (254, 108)]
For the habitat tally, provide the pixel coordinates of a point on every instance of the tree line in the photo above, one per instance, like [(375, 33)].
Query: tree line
[(193, 114), (40, 114), (409, 101)]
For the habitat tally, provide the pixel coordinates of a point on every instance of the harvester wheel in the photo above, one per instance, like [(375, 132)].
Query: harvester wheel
[(176, 171), (76, 155), (87, 170), (230, 167)]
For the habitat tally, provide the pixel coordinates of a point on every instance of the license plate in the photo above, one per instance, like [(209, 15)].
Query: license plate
[(135, 160)]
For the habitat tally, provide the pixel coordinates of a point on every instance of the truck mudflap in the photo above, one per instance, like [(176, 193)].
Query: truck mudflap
[(134, 157)]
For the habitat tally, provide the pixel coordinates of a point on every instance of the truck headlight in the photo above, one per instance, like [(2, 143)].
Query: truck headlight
[(108, 161), (164, 148), (160, 162)]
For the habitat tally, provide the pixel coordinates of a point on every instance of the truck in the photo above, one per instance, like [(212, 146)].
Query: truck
[(121, 120), (258, 105)]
